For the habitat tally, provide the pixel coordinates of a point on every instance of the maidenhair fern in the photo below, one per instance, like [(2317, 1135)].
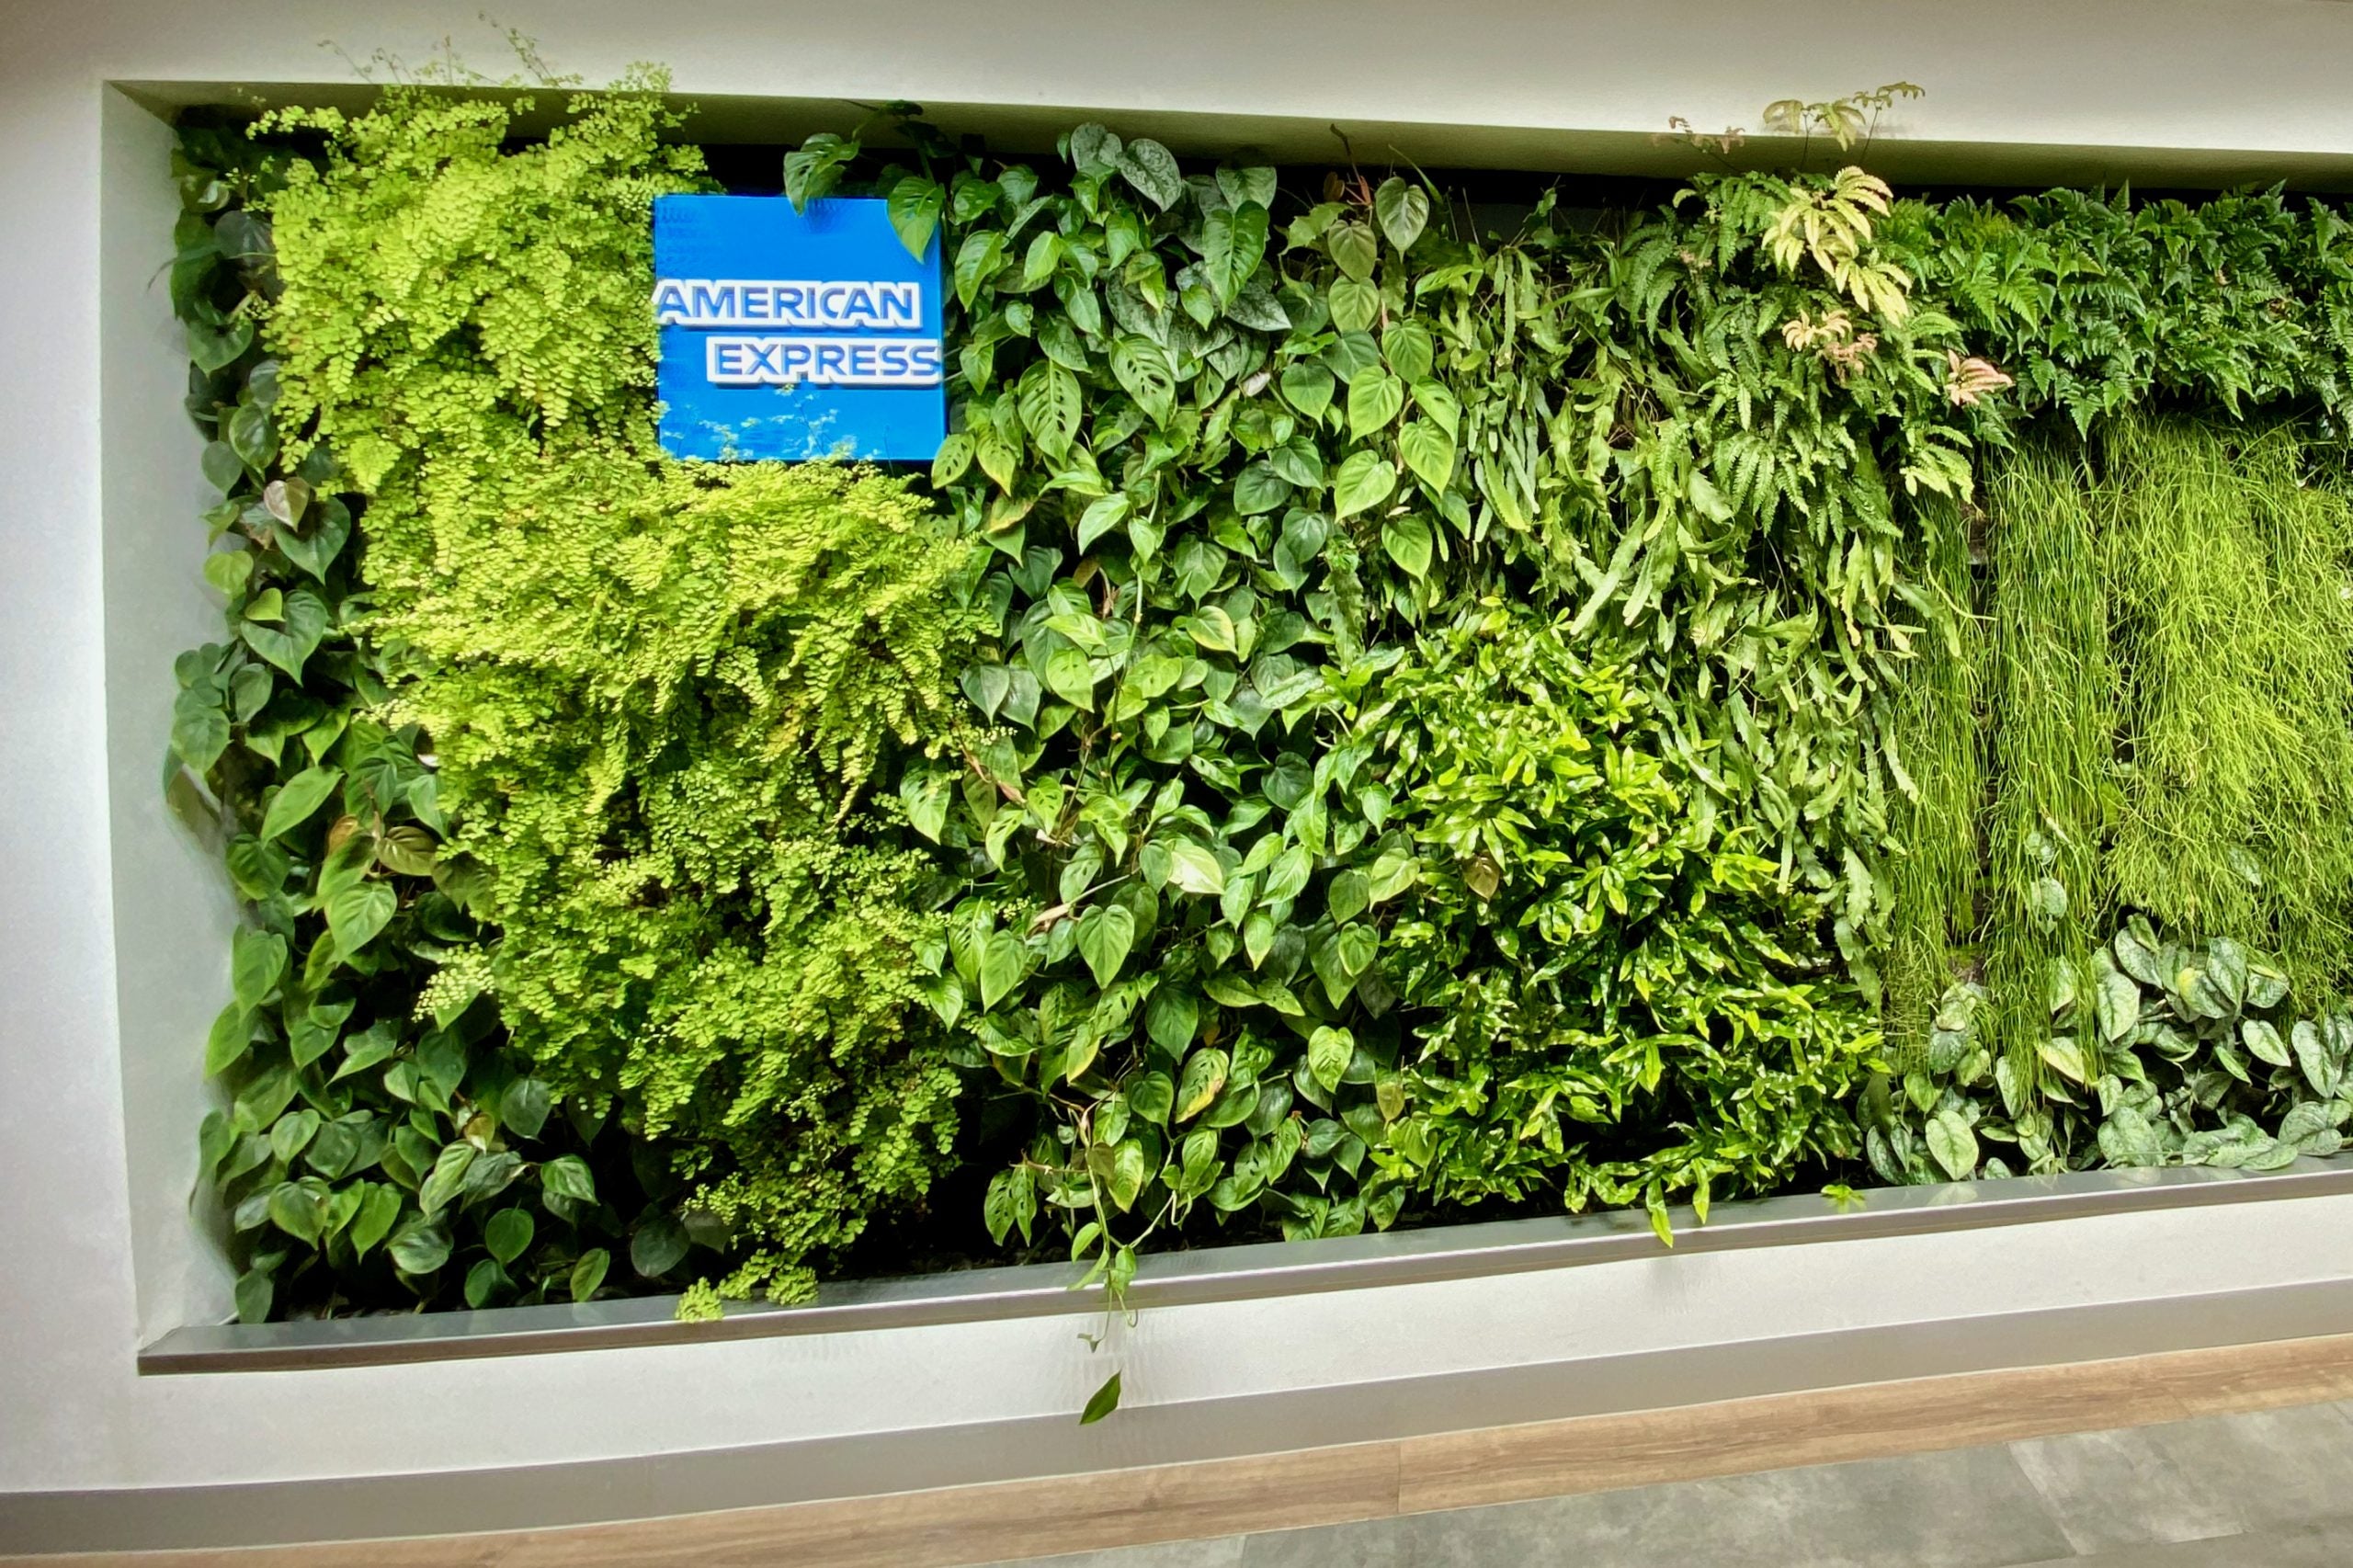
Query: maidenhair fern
[(657, 692)]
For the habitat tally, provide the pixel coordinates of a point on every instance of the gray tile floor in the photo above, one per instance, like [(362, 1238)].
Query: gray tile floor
[(2273, 1489)]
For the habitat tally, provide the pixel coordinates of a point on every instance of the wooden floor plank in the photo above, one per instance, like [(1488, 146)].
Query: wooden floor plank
[(981, 1524), (1603, 1453), (421, 1551), (2257, 1376), (954, 1527)]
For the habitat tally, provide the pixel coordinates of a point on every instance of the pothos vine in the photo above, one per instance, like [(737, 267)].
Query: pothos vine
[(1232, 471)]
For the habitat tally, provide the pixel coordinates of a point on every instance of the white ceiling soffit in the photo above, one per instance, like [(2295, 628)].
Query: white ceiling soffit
[(2174, 92)]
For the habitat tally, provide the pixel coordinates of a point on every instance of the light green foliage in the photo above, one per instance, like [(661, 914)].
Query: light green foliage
[(1844, 120), (2053, 698), (2171, 710), (1936, 752), (384, 1146), (2173, 1053), (2234, 614), (656, 717), (428, 265), (656, 692), (1609, 994)]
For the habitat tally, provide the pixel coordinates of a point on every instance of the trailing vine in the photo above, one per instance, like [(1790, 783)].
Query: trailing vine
[(1235, 493)]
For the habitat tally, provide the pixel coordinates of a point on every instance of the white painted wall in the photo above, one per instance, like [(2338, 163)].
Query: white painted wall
[(98, 547), (172, 907)]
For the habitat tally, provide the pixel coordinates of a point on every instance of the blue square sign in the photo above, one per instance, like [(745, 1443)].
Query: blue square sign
[(795, 335)]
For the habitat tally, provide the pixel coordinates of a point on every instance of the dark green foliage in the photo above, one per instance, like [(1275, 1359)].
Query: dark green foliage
[(2173, 1053), (372, 1155), (1228, 485), (2097, 305), (1200, 491)]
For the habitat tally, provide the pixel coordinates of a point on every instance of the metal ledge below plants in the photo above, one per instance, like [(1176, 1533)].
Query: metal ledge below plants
[(1234, 1273)]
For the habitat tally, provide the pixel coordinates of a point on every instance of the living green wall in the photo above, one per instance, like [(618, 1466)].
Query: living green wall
[(1367, 719)]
